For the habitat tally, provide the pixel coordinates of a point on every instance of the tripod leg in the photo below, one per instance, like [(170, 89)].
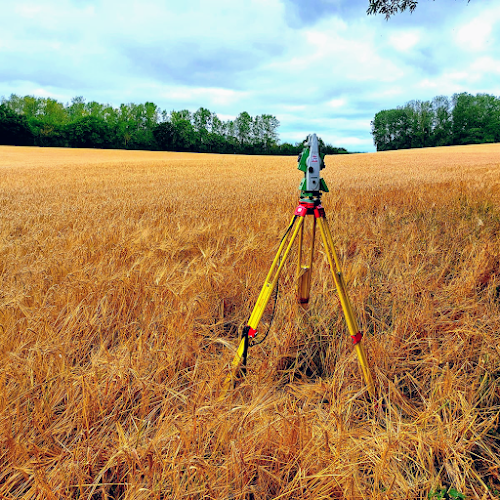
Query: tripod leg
[(304, 272), (345, 302), (265, 294)]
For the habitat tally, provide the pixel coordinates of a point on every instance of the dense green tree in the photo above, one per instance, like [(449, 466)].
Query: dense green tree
[(142, 121), (90, 132), (15, 104), (288, 149), (380, 130), (442, 127), (218, 127), (492, 126), (218, 143), (257, 131), (202, 124), (467, 119), (14, 128), (130, 126), (48, 134), (475, 118), (184, 135), (94, 108), (422, 121), (270, 126), (230, 132), (202, 120), (76, 109), (111, 116), (164, 134), (183, 114), (52, 112), (32, 107), (243, 124)]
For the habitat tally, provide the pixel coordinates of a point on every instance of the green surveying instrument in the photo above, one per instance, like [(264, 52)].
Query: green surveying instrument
[(311, 162)]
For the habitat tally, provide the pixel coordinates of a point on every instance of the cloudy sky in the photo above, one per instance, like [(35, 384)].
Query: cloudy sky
[(319, 66)]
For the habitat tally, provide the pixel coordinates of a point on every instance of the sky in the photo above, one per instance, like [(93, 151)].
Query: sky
[(320, 66)]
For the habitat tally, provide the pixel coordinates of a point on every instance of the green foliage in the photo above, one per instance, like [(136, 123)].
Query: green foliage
[(184, 135), (243, 124), (90, 132), (465, 119), (164, 134), (390, 7), (446, 494), (14, 128), (48, 134), (476, 119), (48, 122)]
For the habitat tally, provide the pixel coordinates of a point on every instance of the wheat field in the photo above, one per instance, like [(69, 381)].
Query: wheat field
[(126, 278)]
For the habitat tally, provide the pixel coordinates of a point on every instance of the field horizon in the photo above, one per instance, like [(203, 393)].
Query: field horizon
[(127, 276)]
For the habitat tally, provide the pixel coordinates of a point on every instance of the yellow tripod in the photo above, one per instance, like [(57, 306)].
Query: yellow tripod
[(307, 207)]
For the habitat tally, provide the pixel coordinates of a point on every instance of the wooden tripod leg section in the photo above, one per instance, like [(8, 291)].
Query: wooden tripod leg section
[(352, 324), (265, 294), (304, 272)]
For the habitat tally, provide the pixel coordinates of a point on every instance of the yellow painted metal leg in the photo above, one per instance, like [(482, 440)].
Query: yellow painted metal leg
[(267, 289), (344, 300), (262, 301), (299, 250)]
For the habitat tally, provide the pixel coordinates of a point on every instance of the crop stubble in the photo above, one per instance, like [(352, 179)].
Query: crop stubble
[(125, 279)]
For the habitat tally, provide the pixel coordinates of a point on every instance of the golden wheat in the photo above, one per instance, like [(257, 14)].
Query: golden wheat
[(125, 279)]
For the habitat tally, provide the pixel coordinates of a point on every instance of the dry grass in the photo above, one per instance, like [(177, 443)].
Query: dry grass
[(125, 277)]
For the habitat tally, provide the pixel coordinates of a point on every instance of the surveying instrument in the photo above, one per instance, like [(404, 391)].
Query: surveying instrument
[(311, 162)]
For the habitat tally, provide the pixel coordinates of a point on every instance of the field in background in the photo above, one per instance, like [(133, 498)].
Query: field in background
[(125, 279)]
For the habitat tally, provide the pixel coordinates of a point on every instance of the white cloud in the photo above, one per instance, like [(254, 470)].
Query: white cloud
[(353, 142), (486, 65), (337, 103), (475, 35), (45, 93), (403, 41), (213, 96)]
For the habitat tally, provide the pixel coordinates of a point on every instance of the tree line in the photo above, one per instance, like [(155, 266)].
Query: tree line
[(443, 121), (41, 121)]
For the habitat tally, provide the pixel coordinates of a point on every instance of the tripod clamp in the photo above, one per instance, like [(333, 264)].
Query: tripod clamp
[(310, 207)]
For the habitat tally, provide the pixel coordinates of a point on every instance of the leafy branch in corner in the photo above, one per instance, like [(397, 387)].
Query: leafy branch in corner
[(390, 7)]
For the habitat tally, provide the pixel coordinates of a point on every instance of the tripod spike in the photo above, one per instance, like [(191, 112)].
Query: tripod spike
[(239, 358)]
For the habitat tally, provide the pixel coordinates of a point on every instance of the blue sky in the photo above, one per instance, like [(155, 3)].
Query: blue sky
[(319, 66)]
